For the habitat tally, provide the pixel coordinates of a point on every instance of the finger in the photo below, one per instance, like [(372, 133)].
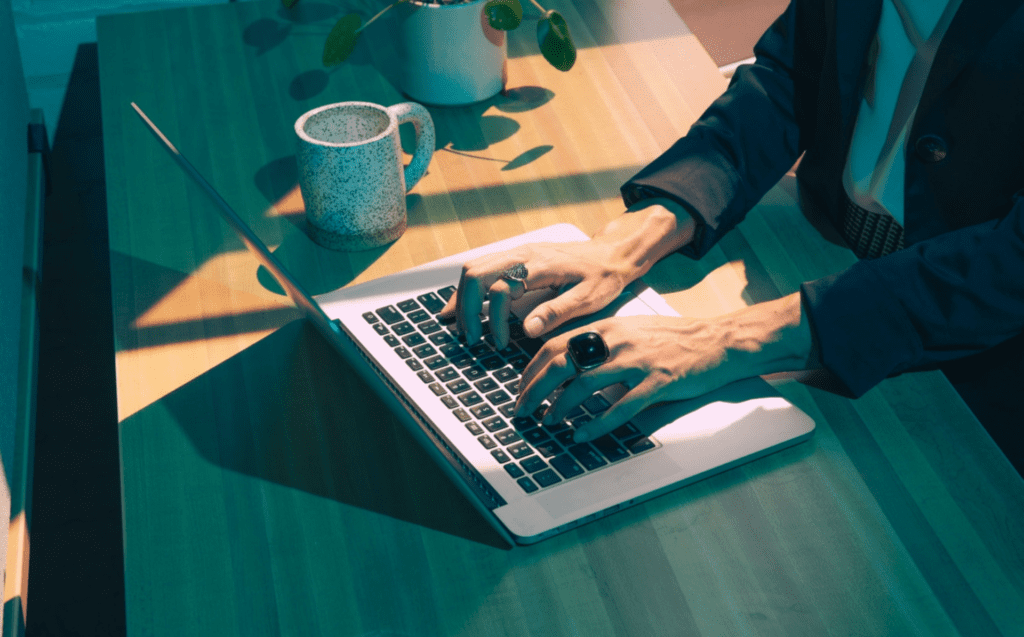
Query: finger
[(569, 305), (557, 371), (552, 349), (632, 403), (581, 388), (500, 297), (478, 276)]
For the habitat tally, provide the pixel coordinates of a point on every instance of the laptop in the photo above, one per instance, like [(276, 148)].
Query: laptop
[(529, 481)]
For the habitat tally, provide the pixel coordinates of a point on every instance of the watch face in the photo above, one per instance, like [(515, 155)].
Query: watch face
[(588, 350)]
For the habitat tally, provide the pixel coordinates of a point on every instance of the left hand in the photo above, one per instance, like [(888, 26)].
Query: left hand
[(665, 358)]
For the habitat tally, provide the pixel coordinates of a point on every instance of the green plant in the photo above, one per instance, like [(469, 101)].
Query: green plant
[(556, 44)]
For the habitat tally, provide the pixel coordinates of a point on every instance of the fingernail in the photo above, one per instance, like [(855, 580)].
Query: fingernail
[(533, 326)]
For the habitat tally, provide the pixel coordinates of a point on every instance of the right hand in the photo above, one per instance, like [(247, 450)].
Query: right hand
[(586, 271)]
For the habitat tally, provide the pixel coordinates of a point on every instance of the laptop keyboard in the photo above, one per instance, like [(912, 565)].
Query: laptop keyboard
[(479, 384)]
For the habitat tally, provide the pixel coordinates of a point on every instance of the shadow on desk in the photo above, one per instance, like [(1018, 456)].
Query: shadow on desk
[(290, 410)]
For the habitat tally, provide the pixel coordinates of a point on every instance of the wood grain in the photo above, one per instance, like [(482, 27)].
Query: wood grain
[(266, 491)]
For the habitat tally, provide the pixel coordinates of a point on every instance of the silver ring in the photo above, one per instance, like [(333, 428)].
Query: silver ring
[(516, 273)]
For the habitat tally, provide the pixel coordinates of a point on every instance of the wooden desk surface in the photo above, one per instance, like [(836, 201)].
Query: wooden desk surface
[(266, 491)]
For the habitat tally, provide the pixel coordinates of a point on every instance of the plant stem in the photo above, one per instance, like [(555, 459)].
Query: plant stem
[(368, 22), (542, 9)]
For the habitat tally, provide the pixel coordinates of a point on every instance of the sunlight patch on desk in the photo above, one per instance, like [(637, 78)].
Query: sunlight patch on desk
[(225, 285), (718, 293)]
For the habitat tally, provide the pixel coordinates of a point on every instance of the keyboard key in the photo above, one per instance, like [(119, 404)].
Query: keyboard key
[(519, 362), (401, 351), (458, 386), (538, 413), (515, 330), (446, 374), (424, 351), (565, 437), (425, 376), (495, 424), (389, 314), (470, 398), (402, 328), (418, 316), (449, 402), (638, 445), (370, 317), (626, 431), (380, 328), (413, 364), (527, 484), (513, 387), (505, 374), (492, 363), (523, 423), (579, 422), (520, 450), (429, 327), (514, 470), (483, 411), (498, 397), (451, 350), (548, 448), (431, 301), (461, 414), (556, 426), (408, 305), (536, 436), (481, 349), (507, 410), (391, 340), (461, 360), (474, 428), (473, 373), (440, 338), (575, 412), (533, 464), (486, 385), (507, 437), (610, 449), (545, 478), (500, 456), (487, 442), (435, 362), (446, 293), (437, 389), (596, 404), (587, 456), (566, 466)]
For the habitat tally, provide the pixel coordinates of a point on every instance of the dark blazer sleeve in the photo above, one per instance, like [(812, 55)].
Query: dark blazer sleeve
[(944, 298), (739, 148)]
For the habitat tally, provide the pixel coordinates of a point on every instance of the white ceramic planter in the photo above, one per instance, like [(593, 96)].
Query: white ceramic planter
[(450, 53)]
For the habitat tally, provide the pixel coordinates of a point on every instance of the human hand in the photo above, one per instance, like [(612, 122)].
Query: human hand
[(664, 358), (593, 279)]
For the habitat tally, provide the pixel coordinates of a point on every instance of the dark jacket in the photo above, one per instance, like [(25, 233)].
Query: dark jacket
[(958, 287)]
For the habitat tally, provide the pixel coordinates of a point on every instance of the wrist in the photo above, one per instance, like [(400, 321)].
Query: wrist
[(651, 230), (774, 336)]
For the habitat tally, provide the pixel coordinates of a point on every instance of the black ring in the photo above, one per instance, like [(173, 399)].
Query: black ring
[(587, 351)]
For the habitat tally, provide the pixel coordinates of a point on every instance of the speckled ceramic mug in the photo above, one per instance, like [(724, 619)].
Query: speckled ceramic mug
[(350, 171)]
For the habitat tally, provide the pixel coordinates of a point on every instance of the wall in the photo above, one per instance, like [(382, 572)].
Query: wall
[(49, 32), (13, 181)]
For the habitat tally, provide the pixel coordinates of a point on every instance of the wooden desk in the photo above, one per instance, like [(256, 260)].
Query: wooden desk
[(266, 491)]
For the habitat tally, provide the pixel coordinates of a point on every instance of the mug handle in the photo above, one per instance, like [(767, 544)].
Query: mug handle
[(424, 124)]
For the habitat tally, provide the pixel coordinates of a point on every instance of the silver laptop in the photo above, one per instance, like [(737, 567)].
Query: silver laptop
[(529, 481)]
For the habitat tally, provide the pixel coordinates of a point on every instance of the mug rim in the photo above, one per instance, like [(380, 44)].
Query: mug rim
[(300, 124)]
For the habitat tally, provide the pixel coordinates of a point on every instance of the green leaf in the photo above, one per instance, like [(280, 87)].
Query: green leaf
[(288, 4), (555, 42), (342, 39), (504, 15)]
